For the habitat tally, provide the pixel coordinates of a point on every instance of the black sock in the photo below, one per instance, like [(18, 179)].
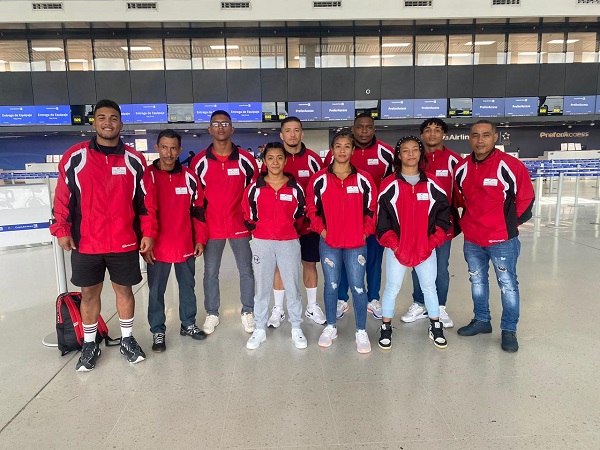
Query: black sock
[(386, 325)]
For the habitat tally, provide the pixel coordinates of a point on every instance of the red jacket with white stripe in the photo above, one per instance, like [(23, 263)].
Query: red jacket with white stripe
[(224, 184), (345, 208), (100, 199), (497, 196), (377, 160), (271, 214), (412, 220), (180, 202)]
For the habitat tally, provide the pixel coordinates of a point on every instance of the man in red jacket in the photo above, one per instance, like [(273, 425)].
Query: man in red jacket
[(103, 211), (225, 170), (181, 238), (496, 194)]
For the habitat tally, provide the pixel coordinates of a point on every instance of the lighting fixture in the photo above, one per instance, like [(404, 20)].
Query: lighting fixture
[(396, 44), (47, 49), (481, 43), (143, 48), (222, 47)]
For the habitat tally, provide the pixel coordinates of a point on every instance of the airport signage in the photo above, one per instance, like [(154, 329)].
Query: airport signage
[(521, 106), (430, 107), (305, 111), (245, 112), (150, 113), (579, 104), (397, 109), (338, 110), (488, 107)]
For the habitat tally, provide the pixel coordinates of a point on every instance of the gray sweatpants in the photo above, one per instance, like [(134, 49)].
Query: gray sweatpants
[(266, 255)]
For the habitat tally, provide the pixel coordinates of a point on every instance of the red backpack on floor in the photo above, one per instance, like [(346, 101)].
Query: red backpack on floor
[(69, 327)]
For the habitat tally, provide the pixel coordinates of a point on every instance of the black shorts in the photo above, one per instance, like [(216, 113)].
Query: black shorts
[(309, 247), (88, 270)]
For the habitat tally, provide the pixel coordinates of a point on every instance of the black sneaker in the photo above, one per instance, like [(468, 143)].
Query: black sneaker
[(509, 341), (385, 336), (132, 350), (436, 334), (193, 331), (158, 342), (90, 352)]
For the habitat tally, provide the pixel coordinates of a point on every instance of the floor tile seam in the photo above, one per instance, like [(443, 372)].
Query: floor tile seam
[(220, 444), (432, 397), (550, 234), (129, 401)]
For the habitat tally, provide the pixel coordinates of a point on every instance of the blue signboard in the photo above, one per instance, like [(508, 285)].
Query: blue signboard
[(150, 113), (579, 104), (488, 107), (338, 110), (126, 113), (203, 111), (17, 115), (431, 107), (53, 115), (521, 106), (246, 112), (307, 111), (397, 109)]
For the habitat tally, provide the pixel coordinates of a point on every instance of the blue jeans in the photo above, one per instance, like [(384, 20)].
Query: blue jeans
[(443, 277), (354, 261), (504, 259), (158, 276), (373, 271), (394, 275)]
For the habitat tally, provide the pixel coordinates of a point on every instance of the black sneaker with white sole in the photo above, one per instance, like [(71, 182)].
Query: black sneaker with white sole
[(90, 352), (436, 334), (132, 350), (193, 331), (385, 336), (158, 342)]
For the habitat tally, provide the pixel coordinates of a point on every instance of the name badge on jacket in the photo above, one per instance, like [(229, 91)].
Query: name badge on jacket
[(490, 182), (441, 173), (372, 161), (286, 197), (304, 173), (422, 196), (233, 172), (181, 190), (119, 170), (352, 189)]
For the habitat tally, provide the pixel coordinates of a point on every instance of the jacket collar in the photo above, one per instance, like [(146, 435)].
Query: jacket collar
[(177, 169), (120, 150), (299, 154), (234, 156), (352, 169), (260, 181), (422, 176), (369, 145), (492, 154)]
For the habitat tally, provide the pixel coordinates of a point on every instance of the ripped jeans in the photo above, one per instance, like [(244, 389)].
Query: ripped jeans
[(354, 259), (504, 259)]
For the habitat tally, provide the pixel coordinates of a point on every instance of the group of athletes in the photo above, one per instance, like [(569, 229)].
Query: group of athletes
[(364, 200)]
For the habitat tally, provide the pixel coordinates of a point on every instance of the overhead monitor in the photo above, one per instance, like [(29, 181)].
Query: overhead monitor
[(521, 106), (203, 111), (53, 114), (579, 104), (269, 112), (246, 112), (305, 111), (82, 114), (460, 107), (488, 107), (370, 107), (180, 113), (430, 107), (17, 115), (397, 109), (126, 113), (337, 110), (150, 113)]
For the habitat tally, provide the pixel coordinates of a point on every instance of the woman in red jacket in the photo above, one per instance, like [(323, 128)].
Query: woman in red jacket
[(341, 202), (273, 206), (413, 217)]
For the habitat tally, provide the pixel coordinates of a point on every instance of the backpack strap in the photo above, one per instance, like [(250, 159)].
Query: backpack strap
[(103, 332), (75, 317)]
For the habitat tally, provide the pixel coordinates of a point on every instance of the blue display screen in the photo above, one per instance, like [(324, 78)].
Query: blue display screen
[(431, 107), (150, 113), (126, 113), (53, 115), (246, 112), (307, 111), (203, 111), (488, 107), (338, 110), (579, 104), (17, 115), (521, 106), (397, 109)]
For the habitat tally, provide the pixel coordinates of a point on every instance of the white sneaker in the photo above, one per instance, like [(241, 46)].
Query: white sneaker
[(327, 336), (210, 324), (363, 345), (248, 322), (415, 312), (258, 337), (445, 318), (342, 307), (277, 316), (315, 313), (374, 307), (299, 338)]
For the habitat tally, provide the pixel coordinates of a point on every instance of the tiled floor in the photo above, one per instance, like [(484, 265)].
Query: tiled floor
[(217, 394)]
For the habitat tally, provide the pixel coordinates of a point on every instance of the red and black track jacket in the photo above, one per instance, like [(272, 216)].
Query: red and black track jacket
[(412, 220), (99, 199), (345, 208), (274, 215), (377, 160), (441, 164), (180, 204), (497, 196), (224, 184)]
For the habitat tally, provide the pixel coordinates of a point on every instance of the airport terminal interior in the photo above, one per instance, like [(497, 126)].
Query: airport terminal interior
[(530, 66)]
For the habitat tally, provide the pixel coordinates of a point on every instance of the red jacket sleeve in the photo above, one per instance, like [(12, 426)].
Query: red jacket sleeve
[(316, 221), (328, 159), (149, 221), (370, 212), (198, 214), (525, 195), (61, 226)]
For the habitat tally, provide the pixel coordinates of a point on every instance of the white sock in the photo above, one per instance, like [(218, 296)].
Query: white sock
[(278, 297), (89, 332), (126, 327), (311, 295)]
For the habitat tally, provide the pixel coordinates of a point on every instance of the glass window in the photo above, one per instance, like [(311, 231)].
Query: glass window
[(581, 48), (272, 53), (431, 50), (146, 54), (460, 51), (553, 48), (397, 51), (490, 49), (523, 48), (48, 55), (110, 54), (303, 52), (80, 56), (367, 51), (337, 51), (14, 56), (178, 55), (243, 53), (208, 53)]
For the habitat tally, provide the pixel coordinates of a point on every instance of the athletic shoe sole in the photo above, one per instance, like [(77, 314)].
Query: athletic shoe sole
[(85, 369), (272, 325), (311, 317), (327, 344), (438, 345), (384, 348), (253, 346), (373, 313)]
